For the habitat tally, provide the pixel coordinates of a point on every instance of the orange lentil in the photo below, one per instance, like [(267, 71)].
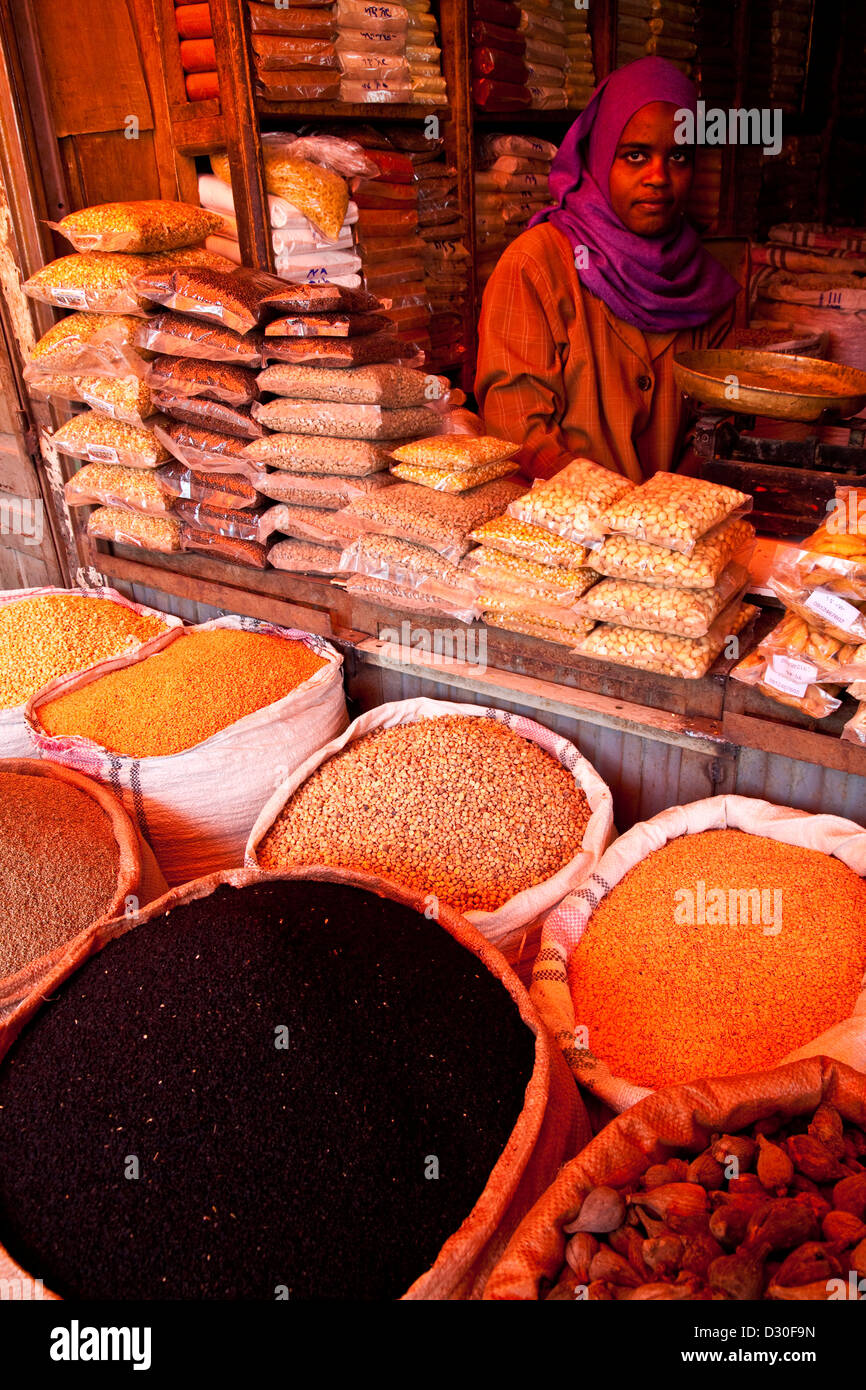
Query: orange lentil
[(43, 638), (666, 999), (198, 685)]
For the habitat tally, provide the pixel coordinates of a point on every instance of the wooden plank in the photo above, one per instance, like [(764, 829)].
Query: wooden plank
[(804, 745), (460, 148), (160, 58), (346, 110), (199, 133), (230, 19), (100, 165), (94, 83)]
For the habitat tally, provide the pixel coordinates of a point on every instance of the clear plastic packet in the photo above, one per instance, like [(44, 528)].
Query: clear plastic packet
[(109, 485), (146, 226), (374, 65), (339, 420), (288, 53), (456, 452), (127, 399), (236, 523), (408, 565), (208, 414), (775, 678), (313, 490), (373, 193), (324, 326), (540, 22), (333, 152), (305, 241), (452, 480), (180, 335), (315, 19), (318, 299), (623, 557), (374, 90), (99, 439), (234, 300), (855, 730), (304, 84), (485, 35), (357, 14), (686, 657), (508, 536), (499, 96), (546, 632), (334, 352), (305, 557), (496, 572), (390, 595), (524, 146), (301, 453), (206, 451), (573, 503), (392, 165), (682, 612), (499, 66), (440, 520), (103, 282), (810, 655), (231, 548), (518, 612), (805, 570), (823, 608), (674, 511), (213, 489), (104, 344), (309, 524), (318, 193), (193, 376), (496, 180), (124, 527), (380, 383)]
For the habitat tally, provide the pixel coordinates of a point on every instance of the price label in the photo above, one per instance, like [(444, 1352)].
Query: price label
[(102, 453), (778, 678), (795, 668), (71, 298), (834, 609)]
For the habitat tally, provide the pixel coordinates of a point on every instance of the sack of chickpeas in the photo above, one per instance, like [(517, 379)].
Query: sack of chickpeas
[(748, 1188), (471, 806), (725, 934), (194, 730)]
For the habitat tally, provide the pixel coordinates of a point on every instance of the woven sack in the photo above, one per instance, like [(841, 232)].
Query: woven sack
[(195, 808), (551, 1126), (679, 1117), (508, 925), (564, 927)]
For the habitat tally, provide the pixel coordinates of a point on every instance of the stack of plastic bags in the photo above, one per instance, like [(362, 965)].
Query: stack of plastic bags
[(511, 185), (371, 51), (546, 55), (424, 55), (294, 50), (101, 355), (311, 214), (580, 68), (819, 646), (778, 47), (197, 53), (500, 73), (656, 28)]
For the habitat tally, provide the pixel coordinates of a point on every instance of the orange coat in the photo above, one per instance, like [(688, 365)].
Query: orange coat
[(561, 374)]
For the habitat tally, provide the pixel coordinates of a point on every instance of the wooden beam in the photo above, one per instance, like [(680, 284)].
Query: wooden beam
[(230, 19), (802, 745)]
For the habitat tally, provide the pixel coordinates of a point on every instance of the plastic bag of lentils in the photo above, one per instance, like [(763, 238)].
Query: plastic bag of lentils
[(775, 953), (195, 806), (511, 925), (551, 1126)]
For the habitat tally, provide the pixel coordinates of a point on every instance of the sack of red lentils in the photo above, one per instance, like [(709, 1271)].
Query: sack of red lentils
[(195, 730), (681, 1122), (721, 936), (550, 1125), (469, 805), (48, 633)]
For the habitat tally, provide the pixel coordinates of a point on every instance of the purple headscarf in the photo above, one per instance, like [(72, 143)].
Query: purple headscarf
[(658, 284)]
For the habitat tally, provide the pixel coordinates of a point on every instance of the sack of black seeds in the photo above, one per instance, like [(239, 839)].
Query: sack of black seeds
[(420, 1098)]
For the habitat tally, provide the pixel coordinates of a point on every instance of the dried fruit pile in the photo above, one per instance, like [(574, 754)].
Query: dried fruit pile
[(777, 1212)]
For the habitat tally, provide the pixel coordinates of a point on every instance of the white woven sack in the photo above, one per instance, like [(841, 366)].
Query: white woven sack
[(845, 1042), (195, 808), (506, 925), (16, 740)]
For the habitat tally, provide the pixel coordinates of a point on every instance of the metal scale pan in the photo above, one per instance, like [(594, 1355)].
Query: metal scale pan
[(771, 384)]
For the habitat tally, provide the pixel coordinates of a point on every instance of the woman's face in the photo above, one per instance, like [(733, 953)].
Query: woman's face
[(651, 174)]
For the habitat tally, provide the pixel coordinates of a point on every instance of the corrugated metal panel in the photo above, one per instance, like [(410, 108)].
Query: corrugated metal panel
[(802, 785)]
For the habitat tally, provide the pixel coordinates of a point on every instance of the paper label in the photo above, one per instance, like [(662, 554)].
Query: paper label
[(102, 453), (71, 298), (789, 682), (835, 609), (794, 668)]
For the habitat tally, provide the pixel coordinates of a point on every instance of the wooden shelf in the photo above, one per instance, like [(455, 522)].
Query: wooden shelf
[(350, 110)]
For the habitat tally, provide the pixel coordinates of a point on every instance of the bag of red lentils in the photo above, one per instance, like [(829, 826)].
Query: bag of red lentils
[(195, 806), (743, 979), (51, 634), (679, 1118), (513, 925), (551, 1127)]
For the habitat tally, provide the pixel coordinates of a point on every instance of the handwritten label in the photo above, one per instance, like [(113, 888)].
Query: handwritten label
[(836, 610), (781, 674)]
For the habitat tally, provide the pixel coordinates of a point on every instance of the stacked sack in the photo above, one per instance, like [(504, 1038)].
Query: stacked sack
[(580, 68), (811, 276), (424, 55), (819, 647), (499, 71), (778, 49), (338, 403), (656, 28), (674, 559), (294, 50), (446, 259), (311, 215), (197, 53), (546, 55), (371, 51), (411, 539), (511, 185), (97, 356)]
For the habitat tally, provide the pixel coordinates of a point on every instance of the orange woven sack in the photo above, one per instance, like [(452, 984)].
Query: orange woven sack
[(680, 1117), (551, 1126)]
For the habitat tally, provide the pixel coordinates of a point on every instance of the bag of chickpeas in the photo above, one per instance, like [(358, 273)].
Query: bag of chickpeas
[(486, 811), (724, 935)]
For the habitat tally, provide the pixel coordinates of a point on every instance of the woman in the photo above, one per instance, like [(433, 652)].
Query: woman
[(584, 312)]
